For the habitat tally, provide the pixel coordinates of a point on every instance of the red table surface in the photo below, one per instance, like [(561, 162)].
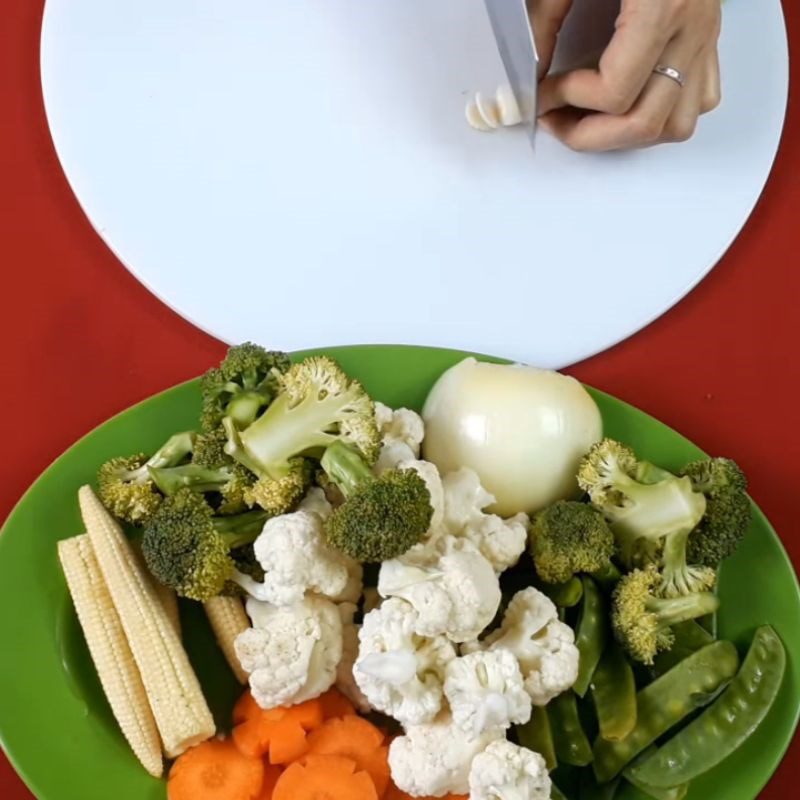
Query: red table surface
[(85, 340)]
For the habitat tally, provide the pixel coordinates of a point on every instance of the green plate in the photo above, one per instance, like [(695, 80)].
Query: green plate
[(55, 724)]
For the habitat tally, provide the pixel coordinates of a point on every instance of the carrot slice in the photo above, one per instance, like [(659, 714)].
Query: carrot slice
[(215, 770), (245, 708), (280, 732), (357, 739), (335, 704), (271, 774), (393, 793), (324, 778)]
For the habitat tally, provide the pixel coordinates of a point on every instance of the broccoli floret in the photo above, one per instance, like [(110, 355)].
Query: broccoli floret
[(125, 486), (212, 471), (728, 510), (650, 521), (381, 517), (316, 405), (189, 549), (569, 537), (243, 384), (643, 621)]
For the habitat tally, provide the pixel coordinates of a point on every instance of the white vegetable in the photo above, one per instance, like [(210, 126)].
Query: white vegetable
[(399, 672), (430, 474), (485, 690), (456, 593), (435, 758), (400, 425), (297, 559), (345, 681), (501, 541), (504, 771), (355, 583), (316, 502), (291, 653), (392, 454), (523, 430), (544, 646)]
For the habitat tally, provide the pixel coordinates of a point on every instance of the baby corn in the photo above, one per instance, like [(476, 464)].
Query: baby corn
[(179, 708), (110, 652), (169, 600), (228, 619)]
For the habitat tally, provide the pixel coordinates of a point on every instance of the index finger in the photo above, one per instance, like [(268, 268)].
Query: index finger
[(624, 69)]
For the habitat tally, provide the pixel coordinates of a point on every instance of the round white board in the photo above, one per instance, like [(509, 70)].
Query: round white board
[(301, 173)]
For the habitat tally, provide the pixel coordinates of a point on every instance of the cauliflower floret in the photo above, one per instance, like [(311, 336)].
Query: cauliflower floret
[(355, 583), (456, 593), (501, 541), (400, 672), (400, 425), (345, 680), (316, 501), (544, 646), (485, 690), (392, 453), (430, 474), (435, 758), (504, 771), (297, 559), (291, 653)]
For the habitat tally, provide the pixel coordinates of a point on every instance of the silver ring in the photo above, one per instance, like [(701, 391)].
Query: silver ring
[(671, 73)]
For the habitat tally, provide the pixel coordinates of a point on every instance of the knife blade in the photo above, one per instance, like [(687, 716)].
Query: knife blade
[(514, 36)]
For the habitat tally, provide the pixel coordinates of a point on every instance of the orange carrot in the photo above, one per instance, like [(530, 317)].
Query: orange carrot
[(271, 774), (280, 732), (319, 777), (357, 739), (335, 704), (393, 793), (215, 770), (245, 708)]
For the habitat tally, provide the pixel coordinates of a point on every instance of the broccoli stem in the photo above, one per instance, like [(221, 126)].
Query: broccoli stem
[(672, 610), (188, 476), (243, 408), (240, 529), (175, 449), (346, 468)]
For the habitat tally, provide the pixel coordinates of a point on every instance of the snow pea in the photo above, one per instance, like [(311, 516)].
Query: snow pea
[(614, 694), (590, 789), (726, 724), (569, 739), (564, 595), (673, 793), (690, 636), (664, 703), (537, 736), (607, 576), (591, 635), (556, 793)]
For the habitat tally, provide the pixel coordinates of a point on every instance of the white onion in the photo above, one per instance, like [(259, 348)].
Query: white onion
[(522, 429)]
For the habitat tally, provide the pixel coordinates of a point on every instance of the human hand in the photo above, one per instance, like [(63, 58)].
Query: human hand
[(622, 103)]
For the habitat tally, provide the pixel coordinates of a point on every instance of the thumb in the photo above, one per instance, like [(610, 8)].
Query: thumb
[(547, 17)]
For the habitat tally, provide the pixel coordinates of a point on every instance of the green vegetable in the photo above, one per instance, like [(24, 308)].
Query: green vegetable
[(316, 405), (564, 595), (125, 486), (590, 789), (614, 695), (591, 635), (556, 793), (690, 636), (673, 793), (728, 510), (651, 522), (536, 735), (188, 549), (382, 517), (726, 724), (665, 702), (569, 739), (243, 384), (568, 538), (642, 620)]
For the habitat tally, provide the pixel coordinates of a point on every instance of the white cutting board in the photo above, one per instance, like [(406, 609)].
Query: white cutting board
[(300, 173)]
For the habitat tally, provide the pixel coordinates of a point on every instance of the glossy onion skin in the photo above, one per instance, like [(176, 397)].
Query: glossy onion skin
[(522, 429)]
